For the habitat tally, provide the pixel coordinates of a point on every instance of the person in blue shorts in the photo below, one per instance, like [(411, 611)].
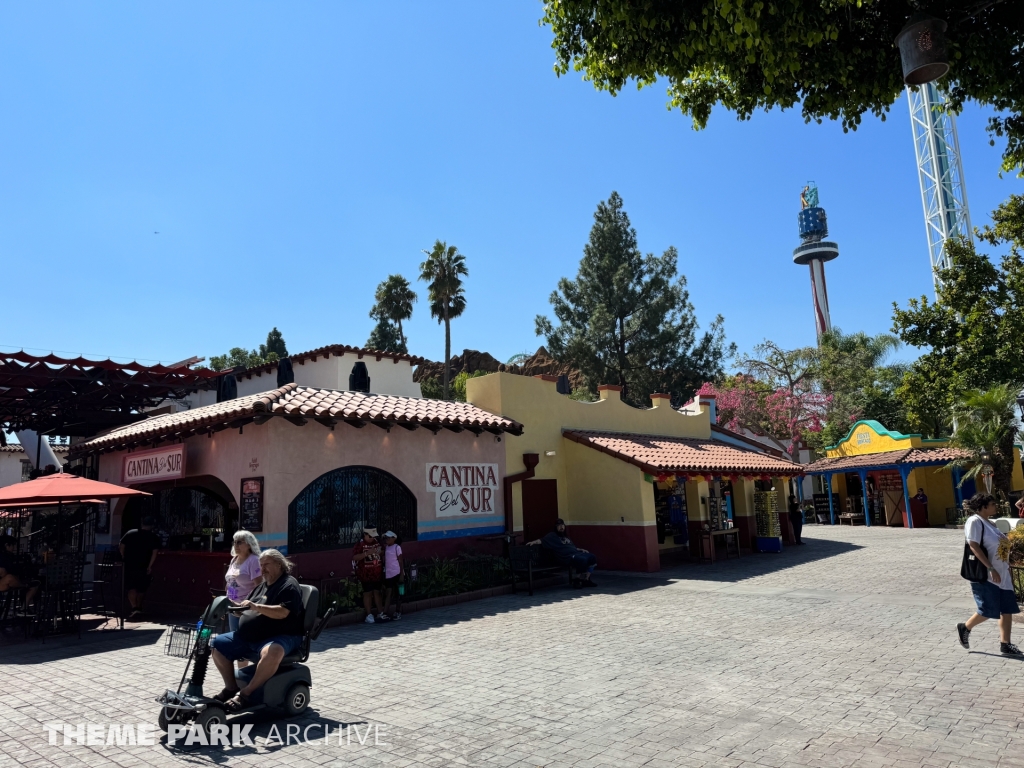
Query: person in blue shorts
[(270, 629), (994, 597)]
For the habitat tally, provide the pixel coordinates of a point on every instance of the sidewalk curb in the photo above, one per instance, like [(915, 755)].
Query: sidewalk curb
[(357, 616)]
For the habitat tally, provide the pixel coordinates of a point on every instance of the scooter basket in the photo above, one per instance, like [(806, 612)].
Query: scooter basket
[(180, 641)]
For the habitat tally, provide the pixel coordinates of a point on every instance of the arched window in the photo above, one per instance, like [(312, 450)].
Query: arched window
[(331, 512)]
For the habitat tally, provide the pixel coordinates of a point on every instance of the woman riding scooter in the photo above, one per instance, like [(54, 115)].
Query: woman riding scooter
[(270, 628)]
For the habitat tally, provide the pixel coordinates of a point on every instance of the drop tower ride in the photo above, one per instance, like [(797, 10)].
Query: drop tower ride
[(814, 251)]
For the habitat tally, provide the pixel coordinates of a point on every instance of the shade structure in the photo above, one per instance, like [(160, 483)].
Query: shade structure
[(22, 505), (62, 487)]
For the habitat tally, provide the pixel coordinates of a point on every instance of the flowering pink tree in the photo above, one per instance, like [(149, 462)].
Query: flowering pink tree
[(775, 396)]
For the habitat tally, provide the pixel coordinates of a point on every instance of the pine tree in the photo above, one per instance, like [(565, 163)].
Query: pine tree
[(627, 318)]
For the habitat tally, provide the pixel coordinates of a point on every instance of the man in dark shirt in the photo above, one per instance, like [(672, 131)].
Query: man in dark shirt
[(271, 628), (561, 548), (796, 518), (138, 550)]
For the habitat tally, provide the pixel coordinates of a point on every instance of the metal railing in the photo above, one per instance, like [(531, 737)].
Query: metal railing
[(437, 577)]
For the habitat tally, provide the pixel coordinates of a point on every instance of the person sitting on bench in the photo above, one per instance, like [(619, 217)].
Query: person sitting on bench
[(270, 629), (568, 554)]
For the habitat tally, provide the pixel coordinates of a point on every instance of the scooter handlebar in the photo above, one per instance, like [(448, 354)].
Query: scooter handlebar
[(322, 622)]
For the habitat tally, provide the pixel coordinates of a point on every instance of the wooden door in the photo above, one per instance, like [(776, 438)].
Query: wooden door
[(540, 508)]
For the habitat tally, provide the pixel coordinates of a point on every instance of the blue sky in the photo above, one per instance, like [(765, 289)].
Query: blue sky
[(292, 155)]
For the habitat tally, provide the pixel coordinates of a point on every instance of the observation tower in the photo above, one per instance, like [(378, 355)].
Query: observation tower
[(814, 251)]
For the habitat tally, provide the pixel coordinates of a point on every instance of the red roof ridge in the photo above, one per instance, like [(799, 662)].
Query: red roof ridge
[(694, 455), (336, 350), (299, 403)]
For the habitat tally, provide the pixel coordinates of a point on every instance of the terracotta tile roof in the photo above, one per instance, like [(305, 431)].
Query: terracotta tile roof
[(894, 459), (336, 350), (657, 455), (936, 455), (298, 404), (853, 463)]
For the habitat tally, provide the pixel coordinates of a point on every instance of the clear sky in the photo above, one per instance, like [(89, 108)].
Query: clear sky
[(291, 155)]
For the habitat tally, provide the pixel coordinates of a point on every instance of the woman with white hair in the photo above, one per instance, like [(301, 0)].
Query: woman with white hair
[(243, 574)]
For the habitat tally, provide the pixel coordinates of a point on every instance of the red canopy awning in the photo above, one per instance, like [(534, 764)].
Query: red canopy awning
[(62, 487)]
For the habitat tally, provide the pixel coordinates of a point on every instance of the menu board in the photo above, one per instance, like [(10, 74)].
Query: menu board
[(716, 513), (102, 517), (821, 504), (890, 481), (250, 508)]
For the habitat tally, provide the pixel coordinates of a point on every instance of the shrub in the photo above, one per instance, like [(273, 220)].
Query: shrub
[(349, 595), (1015, 555)]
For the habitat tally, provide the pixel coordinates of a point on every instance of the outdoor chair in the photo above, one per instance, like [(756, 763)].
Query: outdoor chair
[(59, 604)]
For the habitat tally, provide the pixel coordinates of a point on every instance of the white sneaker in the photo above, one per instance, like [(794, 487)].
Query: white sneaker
[(369, 618)]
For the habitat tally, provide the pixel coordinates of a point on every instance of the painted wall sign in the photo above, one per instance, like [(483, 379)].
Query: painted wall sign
[(250, 509), (463, 489), (156, 464)]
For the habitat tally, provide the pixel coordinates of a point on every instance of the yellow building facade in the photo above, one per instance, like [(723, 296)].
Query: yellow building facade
[(876, 475), (602, 467)]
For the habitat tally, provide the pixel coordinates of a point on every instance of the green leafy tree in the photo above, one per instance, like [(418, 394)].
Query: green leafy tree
[(386, 337), (443, 271), (431, 388), (235, 358), (850, 369), (836, 58), (971, 334), (275, 348), (986, 425), (270, 352), (394, 299), (459, 384), (627, 318)]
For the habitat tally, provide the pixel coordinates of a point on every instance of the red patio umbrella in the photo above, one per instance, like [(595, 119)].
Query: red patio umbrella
[(62, 487)]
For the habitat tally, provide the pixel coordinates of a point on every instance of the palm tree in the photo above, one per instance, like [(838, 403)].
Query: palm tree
[(394, 299), (443, 272), (986, 426)]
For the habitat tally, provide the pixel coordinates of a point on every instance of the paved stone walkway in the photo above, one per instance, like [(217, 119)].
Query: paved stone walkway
[(839, 653)]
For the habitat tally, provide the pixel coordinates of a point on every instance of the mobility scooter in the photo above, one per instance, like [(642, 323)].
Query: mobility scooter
[(286, 691)]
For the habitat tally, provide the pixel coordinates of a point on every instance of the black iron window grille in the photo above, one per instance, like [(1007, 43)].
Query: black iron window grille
[(331, 512)]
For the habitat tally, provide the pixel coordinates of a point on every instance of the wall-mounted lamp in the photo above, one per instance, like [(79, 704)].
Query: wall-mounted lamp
[(549, 453)]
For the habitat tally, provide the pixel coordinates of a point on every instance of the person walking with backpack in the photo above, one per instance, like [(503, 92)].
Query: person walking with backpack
[(989, 575)]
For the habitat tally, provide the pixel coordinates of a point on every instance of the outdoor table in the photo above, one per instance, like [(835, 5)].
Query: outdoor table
[(709, 537)]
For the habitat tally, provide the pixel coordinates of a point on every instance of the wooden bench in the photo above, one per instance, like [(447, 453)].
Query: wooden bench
[(851, 518), (530, 560)]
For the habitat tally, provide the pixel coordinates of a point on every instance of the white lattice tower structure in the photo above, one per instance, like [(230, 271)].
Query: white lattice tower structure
[(940, 172)]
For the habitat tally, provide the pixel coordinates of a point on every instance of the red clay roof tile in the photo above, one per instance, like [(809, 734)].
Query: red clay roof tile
[(656, 454), (298, 402), (904, 457)]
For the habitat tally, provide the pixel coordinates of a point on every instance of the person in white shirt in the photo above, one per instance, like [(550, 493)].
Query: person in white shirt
[(994, 597)]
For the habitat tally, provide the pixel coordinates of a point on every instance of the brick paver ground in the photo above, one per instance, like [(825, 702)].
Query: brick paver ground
[(839, 653)]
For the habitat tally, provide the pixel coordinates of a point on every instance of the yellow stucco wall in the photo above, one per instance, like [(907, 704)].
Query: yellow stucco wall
[(603, 489), (544, 413)]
